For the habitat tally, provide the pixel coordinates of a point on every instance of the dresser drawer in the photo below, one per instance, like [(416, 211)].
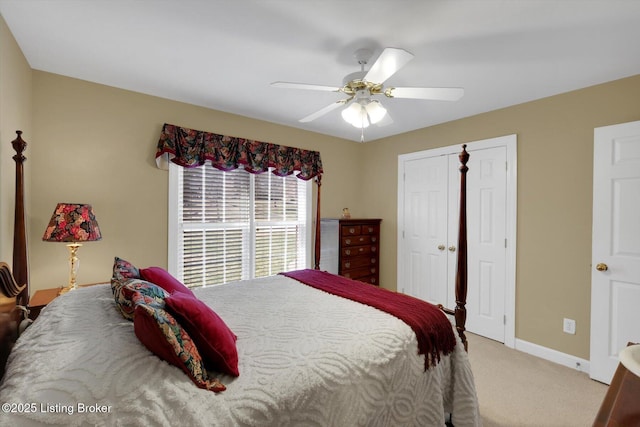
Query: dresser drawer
[(369, 279), (359, 273), (362, 261), (356, 240), (351, 251), (350, 230), (370, 229)]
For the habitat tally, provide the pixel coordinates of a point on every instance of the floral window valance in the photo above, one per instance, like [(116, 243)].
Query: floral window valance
[(192, 148)]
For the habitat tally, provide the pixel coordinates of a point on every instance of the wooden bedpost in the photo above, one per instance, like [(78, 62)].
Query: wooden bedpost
[(20, 269), (317, 243), (460, 311)]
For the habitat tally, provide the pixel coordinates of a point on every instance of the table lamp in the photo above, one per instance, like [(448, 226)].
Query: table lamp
[(72, 223)]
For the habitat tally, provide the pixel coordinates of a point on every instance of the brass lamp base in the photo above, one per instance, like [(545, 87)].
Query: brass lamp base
[(66, 289), (73, 267)]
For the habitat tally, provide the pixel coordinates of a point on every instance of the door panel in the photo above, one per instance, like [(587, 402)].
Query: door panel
[(486, 224), (615, 291), (425, 211)]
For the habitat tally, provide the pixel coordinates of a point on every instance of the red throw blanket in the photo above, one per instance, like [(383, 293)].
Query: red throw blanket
[(432, 327)]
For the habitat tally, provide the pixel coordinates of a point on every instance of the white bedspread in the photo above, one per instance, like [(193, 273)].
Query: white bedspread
[(306, 358)]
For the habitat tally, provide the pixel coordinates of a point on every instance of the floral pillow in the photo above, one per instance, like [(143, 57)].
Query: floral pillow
[(137, 291), (162, 335), (123, 270)]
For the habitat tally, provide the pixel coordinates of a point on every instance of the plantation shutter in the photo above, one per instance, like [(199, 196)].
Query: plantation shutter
[(280, 224), (214, 220), (235, 225)]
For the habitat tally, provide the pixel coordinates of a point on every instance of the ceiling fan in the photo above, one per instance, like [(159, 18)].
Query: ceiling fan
[(361, 86)]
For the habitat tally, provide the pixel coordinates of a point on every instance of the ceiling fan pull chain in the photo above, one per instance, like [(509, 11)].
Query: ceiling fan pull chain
[(362, 134)]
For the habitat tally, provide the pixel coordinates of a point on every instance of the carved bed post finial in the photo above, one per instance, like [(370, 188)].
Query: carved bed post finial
[(20, 269), (19, 145), (461, 276)]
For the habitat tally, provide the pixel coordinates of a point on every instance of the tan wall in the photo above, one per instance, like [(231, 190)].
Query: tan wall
[(96, 144), (15, 114), (555, 160)]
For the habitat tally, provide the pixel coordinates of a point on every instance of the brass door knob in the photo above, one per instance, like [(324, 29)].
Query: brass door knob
[(441, 247), (602, 267), (452, 248)]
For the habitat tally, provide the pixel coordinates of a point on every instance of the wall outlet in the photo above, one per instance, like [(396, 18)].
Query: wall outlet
[(569, 326)]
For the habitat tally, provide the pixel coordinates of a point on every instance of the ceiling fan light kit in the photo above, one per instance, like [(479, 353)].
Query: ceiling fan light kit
[(364, 112), (361, 86)]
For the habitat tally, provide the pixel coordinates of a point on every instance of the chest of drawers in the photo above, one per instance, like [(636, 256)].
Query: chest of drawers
[(351, 248)]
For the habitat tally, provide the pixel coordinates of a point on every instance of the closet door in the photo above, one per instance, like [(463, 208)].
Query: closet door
[(425, 233), (431, 228), (486, 242), (428, 220)]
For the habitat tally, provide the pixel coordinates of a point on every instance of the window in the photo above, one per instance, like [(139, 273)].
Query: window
[(227, 226)]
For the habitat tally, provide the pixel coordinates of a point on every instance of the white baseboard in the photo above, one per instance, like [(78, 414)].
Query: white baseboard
[(551, 355)]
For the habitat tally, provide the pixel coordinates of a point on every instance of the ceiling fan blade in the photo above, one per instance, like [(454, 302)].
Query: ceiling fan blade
[(433, 93), (305, 86), (324, 111), (390, 60)]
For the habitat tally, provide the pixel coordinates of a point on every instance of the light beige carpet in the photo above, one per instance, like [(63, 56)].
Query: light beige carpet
[(516, 389)]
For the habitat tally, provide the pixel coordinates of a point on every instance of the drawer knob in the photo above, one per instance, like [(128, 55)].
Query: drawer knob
[(347, 264), (348, 241), (352, 230), (373, 260), (373, 249), (373, 239), (348, 252)]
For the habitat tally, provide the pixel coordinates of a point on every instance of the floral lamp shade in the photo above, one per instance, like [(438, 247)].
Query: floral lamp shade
[(72, 222)]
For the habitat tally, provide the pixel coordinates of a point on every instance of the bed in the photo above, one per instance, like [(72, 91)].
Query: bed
[(305, 356)]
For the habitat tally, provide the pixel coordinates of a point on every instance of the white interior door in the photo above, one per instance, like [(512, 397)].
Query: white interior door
[(428, 221), (615, 279), (486, 241), (425, 233)]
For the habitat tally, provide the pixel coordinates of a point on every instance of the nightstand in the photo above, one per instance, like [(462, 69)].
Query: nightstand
[(40, 299)]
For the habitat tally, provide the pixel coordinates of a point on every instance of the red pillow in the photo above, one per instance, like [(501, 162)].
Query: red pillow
[(166, 281), (213, 338), (164, 337)]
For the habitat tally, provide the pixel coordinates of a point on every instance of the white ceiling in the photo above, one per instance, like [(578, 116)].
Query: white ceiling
[(224, 54)]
